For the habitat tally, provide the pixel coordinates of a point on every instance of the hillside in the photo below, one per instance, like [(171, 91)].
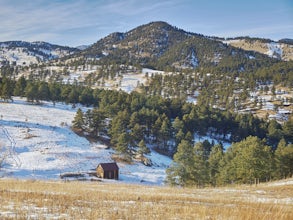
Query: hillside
[(281, 50), (26, 199), (25, 53), (162, 46), (37, 143)]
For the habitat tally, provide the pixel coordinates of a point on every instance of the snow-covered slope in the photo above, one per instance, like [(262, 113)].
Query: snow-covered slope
[(26, 53), (38, 143)]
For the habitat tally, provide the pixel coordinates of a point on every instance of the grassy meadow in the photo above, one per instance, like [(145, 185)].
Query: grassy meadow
[(28, 199)]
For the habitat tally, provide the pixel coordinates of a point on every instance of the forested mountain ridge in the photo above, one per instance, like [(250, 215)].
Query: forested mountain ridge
[(165, 47)]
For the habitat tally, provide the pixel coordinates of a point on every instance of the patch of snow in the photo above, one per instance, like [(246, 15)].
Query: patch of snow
[(131, 81), (194, 60), (217, 57), (230, 41), (192, 100), (105, 53), (216, 140), (147, 70), (274, 50)]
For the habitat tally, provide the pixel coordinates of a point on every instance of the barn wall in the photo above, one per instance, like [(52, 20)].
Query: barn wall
[(100, 172)]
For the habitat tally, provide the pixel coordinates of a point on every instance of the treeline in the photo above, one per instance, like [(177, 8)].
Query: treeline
[(249, 161), (135, 122), (38, 91), (152, 113)]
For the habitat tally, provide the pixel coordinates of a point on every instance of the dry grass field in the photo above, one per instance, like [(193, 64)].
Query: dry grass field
[(28, 199)]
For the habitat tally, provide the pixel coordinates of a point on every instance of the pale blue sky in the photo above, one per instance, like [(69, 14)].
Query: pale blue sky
[(78, 22)]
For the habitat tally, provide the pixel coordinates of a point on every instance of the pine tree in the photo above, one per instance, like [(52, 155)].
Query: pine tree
[(248, 160), (200, 166), (31, 92), (179, 136), (142, 148), (20, 85), (86, 96), (97, 122), (122, 145), (43, 91), (78, 121), (274, 132), (165, 133), (215, 157), (6, 89), (55, 92), (283, 160), (118, 126), (137, 133), (288, 130), (181, 171)]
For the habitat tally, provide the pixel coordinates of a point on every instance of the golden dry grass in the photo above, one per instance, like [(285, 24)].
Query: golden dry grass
[(27, 199), (287, 50)]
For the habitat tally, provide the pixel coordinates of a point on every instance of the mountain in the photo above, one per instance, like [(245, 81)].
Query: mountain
[(25, 53), (157, 45), (283, 49), (83, 47), (162, 46), (142, 45), (286, 41)]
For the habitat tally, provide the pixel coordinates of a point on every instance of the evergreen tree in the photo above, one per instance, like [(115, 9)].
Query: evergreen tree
[(274, 132), (179, 136), (122, 145), (43, 91), (97, 123), (201, 174), (65, 91), (165, 133), (181, 171), (73, 96), (215, 157), (137, 133), (6, 87), (249, 159), (55, 92), (118, 126), (283, 160), (178, 125), (142, 148), (288, 130), (78, 121), (86, 96), (20, 85), (31, 92)]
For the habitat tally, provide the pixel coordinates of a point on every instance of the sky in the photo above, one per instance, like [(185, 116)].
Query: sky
[(83, 22)]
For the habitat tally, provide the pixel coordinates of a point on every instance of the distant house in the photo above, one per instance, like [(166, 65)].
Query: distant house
[(108, 171)]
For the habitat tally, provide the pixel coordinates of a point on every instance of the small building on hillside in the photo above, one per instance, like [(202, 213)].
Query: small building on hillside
[(108, 171)]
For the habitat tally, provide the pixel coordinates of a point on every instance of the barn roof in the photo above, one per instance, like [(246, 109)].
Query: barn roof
[(109, 166)]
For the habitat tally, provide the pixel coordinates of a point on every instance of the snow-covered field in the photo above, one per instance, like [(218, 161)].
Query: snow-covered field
[(39, 144)]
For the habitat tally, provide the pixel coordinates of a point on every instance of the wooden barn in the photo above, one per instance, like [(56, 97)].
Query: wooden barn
[(108, 171)]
